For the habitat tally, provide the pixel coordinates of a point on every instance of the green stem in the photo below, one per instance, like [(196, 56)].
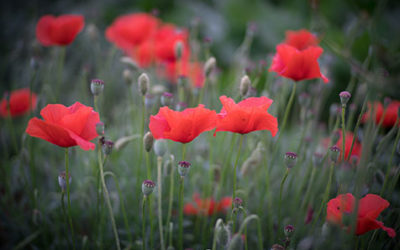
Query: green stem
[(60, 68), (326, 194), (202, 92), (64, 213), (159, 187), (68, 198), (259, 232), (389, 167), (280, 195), (148, 168), (183, 151), (235, 167), (171, 198), (144, 221), (287, 111), (180, 243), (343, 131), (357, 125), (108, 202)]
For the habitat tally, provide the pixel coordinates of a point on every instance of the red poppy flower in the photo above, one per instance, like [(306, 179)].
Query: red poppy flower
[(247, 116), (297, 64), (301, 39), (66, 126), (391, 113), (182, 126), (129, 31), (357, 148), (165, 42), (59, 31), (18, 104), (144, 53), (369, 209), (193, 71), (207, 206)]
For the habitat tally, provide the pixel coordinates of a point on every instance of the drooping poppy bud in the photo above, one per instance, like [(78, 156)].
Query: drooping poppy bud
[(148, 141)]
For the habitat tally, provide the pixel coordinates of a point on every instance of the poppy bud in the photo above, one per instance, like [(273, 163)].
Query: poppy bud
[(237, 202), (334, 153), (166, 99), (236, 243), (160, 147), (62, 182), (245, 83), (100, 128), (183, 168), (148, 187), (290, 159), (222, 234), (289, 229), (144, 83), (318, 159), (96, 86), (107, 147), (128, 76), (178, 50), (181, 106), (344, 97), (209, 66), (148, 141)]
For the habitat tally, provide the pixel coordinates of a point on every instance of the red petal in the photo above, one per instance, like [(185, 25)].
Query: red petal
[(43, 30), (372, 205), (65, 28)]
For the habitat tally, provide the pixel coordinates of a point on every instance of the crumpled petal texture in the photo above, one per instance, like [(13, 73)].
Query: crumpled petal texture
[(66, 126), (246, 116), (301, 39), (18, 103), (182, 126), (369, 208), (58, 31), (297, 64)]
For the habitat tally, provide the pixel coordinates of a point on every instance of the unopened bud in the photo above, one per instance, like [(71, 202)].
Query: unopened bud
[(107, 147), (144, 83), (222, 234), (181, 106), (166, 99), (288, 230), (245, 84), (290, 159), (334, 153), (237, 202), (128, 76), (209, 66), (62, 182), (148, 141), (183, 168), (179, 50), (160, 147), (100, 128), (148, 187), (236, 243), (96, 86), (344, 97)]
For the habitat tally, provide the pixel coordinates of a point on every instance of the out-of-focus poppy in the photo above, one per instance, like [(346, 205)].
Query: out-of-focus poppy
[(18, 103), (247, 116), (166, 40), (129, 31), (357, 148), (297, 64), (391, 113), (193, 71), (207, 206), (301, 39), (58, 31), (66, 126), (369, 208), (182, 126)]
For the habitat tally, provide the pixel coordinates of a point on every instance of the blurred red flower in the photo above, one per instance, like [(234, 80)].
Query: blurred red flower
[(166, 40), (182, 126), (194, 71), (66, 126), (301, 39), (357, 148), (129, 31), (369, 209), (18, 103), (297, 64), (247, 116), (58, 31), (391, 113), (207, 206)]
